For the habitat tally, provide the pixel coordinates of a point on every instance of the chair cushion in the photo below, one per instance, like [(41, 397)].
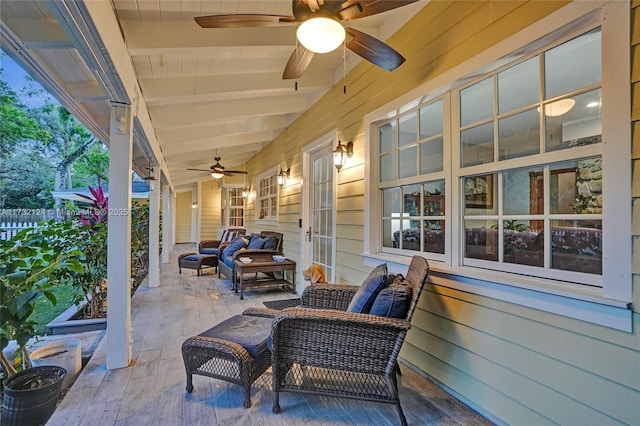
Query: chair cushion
[(392, 301), (249, 331), (270, 243), (368, 291), (236, 244), (209, 251), (228, 236), (257, 242)]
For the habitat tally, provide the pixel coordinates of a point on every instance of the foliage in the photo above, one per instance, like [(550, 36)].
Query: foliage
[(30, 264), (66, 294), (91, 238), (139, 243), (513, 225), (92, 168)]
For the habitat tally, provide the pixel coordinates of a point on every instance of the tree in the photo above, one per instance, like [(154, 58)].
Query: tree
[(92, 168)]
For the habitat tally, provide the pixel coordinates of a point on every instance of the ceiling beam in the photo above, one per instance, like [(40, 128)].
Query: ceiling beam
[(218, 141), (153, 37), (172, 90), (215, 112), (245, 125)]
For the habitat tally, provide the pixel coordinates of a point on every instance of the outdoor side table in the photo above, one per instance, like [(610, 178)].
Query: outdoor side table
[(263, 266)]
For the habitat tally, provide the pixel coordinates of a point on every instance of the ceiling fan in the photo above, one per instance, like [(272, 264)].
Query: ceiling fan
[(320, 30), (218, 171)]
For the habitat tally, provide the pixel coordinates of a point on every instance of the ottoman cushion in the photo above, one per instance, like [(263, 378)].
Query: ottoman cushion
[(192, 257), (249, 332)]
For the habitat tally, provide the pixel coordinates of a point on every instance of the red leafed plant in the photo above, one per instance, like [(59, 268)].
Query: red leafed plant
[(98, 214)]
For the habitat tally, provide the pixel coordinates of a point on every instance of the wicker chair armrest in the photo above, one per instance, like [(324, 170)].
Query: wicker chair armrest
[(261, 312), (208, 244), (329, 296), (183, 255), (334, 339)]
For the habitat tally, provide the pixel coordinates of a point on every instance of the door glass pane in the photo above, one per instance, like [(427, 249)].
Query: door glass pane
[(580, 125), (408, 129), (431, 156), (476, 102), (477, 145), (574, 64), (519, 135), (519, 86), (388, 137), (431, 120), (409, 161)]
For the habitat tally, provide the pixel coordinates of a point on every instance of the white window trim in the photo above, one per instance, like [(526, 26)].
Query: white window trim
[(244, 207), (608, 306), (269, 222)]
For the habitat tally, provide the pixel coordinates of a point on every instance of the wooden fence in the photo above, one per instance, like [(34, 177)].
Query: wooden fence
[(10, 229)]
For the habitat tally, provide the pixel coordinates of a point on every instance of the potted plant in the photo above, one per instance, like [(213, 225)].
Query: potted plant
[(30, 264)]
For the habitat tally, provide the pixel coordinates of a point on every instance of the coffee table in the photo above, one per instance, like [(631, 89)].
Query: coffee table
[(263, 265)]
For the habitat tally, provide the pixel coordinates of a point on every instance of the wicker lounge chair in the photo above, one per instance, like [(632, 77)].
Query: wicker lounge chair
[(335, 353)]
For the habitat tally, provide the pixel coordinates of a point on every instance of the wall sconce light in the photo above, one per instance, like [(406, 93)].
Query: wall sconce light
[(341, 153), (283, 176), (246, 192), (194, 205)]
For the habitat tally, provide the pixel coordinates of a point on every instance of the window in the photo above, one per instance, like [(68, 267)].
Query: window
[(548, 214), (267, 197), (509, 177), (232, 208), (411, 161)]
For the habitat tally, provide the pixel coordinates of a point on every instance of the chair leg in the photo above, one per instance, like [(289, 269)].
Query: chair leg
[(403, 419), (397, 369), (276, 402), (247, 395), (189, 383)]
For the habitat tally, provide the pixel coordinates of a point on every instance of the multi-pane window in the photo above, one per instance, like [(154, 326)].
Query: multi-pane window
[(527, 172), (267, 198), (411, 164), (232, 208), (537, 201)]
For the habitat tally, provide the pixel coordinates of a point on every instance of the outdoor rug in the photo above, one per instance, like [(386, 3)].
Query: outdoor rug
[(281, 304)]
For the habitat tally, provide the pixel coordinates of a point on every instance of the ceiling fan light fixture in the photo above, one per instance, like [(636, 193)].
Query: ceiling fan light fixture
[(321, 35), (217, 175)]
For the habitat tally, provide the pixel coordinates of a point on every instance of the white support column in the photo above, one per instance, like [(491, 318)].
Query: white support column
[(154, 231), (166, 224), (172, 218), (119, 238), (199, 213)]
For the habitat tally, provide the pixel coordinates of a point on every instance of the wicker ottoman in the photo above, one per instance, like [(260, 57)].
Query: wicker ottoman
[(234, 350), (197, 261)]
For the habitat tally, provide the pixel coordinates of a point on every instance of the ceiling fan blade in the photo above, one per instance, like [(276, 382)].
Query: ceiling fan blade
[(354, 9), (201, 170), (243, 21), (241, 172), (298, 62), (373, 50)]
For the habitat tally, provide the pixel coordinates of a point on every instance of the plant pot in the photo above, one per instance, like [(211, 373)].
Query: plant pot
[(24, 405), (64, 353)]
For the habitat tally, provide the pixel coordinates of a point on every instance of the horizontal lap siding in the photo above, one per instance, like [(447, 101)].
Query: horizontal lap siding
[(209, 211), (183, 217), (519, 365)]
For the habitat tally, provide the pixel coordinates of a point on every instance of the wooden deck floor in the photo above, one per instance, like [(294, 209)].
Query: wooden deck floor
[(152, 390)]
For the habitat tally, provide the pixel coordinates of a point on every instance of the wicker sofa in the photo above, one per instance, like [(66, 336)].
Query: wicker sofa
[(226, 262), (329, 351)]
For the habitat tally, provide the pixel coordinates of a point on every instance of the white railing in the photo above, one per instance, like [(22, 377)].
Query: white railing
[(10, 229)]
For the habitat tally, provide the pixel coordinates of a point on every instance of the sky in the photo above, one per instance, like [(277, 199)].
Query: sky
[(16, 77)]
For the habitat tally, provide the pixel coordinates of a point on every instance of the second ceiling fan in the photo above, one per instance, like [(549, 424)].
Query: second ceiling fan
[(218, 171), (320, 30)]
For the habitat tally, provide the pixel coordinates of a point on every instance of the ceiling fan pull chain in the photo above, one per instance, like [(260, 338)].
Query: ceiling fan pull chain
[(296, 85), (344, 66)]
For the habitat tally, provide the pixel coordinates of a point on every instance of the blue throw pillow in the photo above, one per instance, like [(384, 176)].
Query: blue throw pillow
[(367, 293), (257, 242), (270, 243), (236, 244), (393, 301)]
